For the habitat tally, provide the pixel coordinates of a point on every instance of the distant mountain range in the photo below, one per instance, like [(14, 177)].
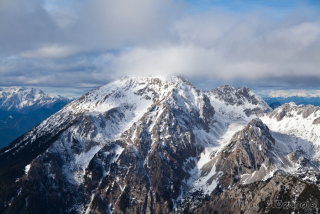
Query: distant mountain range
[(305, 100), (160, 145), (21, 109)]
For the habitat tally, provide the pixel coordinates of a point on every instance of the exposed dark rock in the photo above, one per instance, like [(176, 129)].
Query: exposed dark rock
[(316, 121), (280, 194)]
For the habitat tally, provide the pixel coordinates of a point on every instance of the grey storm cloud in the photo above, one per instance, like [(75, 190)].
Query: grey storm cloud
[(89, 43)]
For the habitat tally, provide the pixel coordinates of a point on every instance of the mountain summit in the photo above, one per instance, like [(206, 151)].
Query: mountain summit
[(142, 145)]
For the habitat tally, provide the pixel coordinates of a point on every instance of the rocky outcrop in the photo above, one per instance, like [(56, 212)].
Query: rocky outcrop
[(249, 151), (235, 96), (280, 194)]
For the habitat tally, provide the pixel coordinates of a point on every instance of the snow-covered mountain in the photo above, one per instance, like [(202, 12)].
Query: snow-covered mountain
[(152, 145), (23, 108), (24, 100)]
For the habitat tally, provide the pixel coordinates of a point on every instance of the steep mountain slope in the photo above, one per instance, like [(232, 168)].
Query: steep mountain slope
[(301, 122), (24, 108), (152, 145)]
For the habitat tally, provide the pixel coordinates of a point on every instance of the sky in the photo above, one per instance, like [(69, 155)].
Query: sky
[(70, 47)]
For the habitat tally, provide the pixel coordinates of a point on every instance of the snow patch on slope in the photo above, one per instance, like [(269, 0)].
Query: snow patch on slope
[(298, 122)]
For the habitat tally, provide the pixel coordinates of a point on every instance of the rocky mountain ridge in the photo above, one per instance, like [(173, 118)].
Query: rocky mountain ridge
[(148, 145)]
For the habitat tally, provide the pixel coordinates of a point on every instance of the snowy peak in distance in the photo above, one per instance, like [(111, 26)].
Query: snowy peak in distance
[(24, 100)]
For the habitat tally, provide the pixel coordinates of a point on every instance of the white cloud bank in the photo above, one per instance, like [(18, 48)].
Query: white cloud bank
[(88, 43), (292, 93)]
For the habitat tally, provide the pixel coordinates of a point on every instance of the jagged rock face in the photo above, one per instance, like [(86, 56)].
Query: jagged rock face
[(248, 152), (153, 155), (234, 96), (157, 146), (254, 153), (25, 100), (262, 197), (238, 104)]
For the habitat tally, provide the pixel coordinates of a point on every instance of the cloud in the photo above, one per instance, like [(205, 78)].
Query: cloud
[(87, 25), (23, 25), (89, 43), (51, 51), (292, 93), (215, 46)]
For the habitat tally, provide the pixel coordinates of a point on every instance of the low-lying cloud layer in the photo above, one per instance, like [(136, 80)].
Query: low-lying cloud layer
[(89, 43)]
